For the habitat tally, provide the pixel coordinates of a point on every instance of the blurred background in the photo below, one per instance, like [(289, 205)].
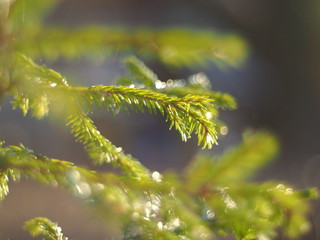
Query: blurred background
[(277, 88)]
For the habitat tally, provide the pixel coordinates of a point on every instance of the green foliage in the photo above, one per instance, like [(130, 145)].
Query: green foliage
[(212, 198), (257, 150), (102, 150), (174, 46), (163, 207), (4, 189), (43, 226), (258, 207), (141, 73)]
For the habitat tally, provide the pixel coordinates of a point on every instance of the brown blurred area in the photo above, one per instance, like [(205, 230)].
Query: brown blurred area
[(277, 88)]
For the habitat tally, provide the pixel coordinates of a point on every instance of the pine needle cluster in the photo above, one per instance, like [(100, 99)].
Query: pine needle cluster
[(212, 198)]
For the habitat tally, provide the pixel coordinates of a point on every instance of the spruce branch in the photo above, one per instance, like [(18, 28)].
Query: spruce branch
[(259, 208), (219, 100), (41, 86), (170, 209), (38, 88), (186, 115), (141, 72), (141, 76), (4, 188), (43, 226), (27, 70), (174, 46), (26, 17), (28, 84), (213, 197), (236, 165), (18, 162), (101, 150)]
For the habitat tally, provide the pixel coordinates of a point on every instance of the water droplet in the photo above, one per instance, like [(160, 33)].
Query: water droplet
[(83, 189), (99, 187), (224, 130), (209, 115), (288, 191), (180, 83), (156, 176), (160, 225), (229, 202), (176, 222), (64, 81), (140, 86), (172, 193), (210, 214), (155, 208), (147, 212), (53, 84), (169, 83), (200, 78), (263, 237), (160, 85), (209, 139), (148, 204), (280, 187), (108, 158), (73, 176), (118, 149), (173, 224), (184, 137)]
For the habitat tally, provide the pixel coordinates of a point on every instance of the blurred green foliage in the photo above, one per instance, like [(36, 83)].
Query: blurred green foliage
[(43, 226), (213, 198), (174, 46)]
